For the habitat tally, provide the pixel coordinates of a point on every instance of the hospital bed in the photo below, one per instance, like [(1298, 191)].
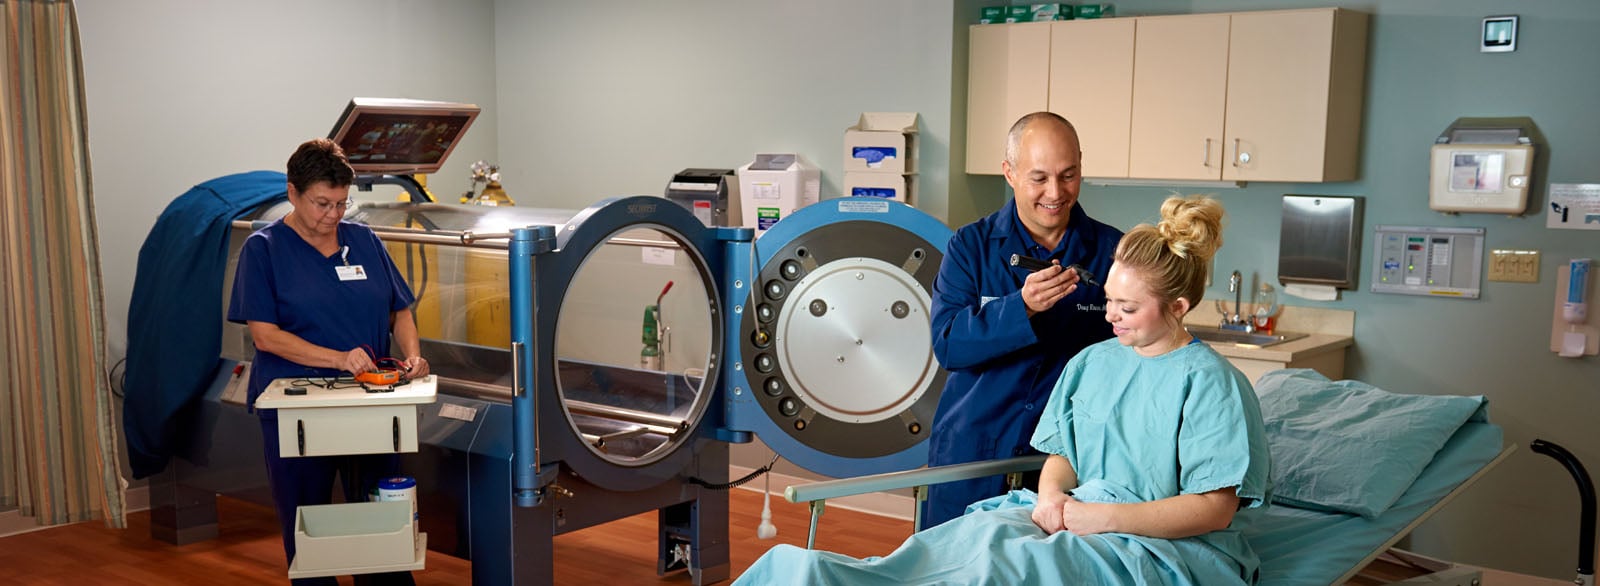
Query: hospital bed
[(1297, 545)]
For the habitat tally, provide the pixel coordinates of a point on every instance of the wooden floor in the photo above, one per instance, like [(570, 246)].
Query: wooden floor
[(249, 551)]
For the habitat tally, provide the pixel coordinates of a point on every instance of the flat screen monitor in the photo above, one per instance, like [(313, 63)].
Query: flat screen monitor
[(400, 136)]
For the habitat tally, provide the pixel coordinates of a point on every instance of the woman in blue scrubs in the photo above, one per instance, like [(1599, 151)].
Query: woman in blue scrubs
[(319, 295)]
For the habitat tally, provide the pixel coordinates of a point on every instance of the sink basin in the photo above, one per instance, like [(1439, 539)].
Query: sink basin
[(1241, 338)]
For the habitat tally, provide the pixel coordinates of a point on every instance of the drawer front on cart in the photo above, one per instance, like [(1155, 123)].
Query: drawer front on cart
[(327, 431)]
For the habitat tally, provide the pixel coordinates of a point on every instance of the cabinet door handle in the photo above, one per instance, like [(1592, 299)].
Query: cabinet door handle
[(1237, 156), (1207, 161), (300, 432)]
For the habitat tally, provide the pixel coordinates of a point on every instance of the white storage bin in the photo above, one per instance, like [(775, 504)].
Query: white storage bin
[(774, 186), (356, 538)]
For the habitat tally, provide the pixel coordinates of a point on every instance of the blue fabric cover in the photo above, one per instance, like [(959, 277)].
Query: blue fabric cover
[(1348, 446), (1003, 364), (174, 325), (1301, 547)]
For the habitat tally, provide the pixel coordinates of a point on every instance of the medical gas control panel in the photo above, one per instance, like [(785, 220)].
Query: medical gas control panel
[(1434, 261)]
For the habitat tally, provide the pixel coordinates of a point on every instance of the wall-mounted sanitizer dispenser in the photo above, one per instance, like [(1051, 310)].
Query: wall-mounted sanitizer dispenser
[(1482, 165)]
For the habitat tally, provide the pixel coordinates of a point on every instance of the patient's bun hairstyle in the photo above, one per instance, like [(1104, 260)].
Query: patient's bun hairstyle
[(1173, 255)]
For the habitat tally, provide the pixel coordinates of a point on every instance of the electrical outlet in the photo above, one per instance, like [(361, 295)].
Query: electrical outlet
[(1514, 266)]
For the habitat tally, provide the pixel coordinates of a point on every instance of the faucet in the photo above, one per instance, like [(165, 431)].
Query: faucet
[(1236, 321)]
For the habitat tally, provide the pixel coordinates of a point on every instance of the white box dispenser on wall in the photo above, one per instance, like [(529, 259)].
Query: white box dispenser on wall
[(1483, 165)]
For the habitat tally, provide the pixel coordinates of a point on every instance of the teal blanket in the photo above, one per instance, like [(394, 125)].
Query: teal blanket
[(996, 542)]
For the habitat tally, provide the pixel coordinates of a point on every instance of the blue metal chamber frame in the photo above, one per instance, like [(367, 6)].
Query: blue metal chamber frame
[(745, 414)]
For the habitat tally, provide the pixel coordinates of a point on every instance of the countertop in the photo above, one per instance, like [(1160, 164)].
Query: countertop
[(1328, 330), (1287, 352)]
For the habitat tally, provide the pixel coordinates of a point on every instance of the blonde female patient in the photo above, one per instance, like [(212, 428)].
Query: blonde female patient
[(1157, 454)]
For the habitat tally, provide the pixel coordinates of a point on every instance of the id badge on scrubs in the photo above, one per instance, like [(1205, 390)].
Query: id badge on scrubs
[(351, 273)]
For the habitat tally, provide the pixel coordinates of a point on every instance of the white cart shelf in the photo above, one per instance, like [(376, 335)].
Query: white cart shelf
[(329, 422), (351, 538)]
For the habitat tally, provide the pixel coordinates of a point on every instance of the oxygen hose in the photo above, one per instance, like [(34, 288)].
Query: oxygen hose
[(1586, 516)]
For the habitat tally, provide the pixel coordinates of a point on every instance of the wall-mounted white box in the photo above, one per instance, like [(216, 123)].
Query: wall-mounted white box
[(890, 186), (882, 142)]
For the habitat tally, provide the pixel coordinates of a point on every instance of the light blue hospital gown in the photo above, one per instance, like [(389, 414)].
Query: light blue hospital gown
[(1135, 429)]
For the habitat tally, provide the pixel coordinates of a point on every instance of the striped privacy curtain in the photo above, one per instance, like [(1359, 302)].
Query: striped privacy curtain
[(58, 456)]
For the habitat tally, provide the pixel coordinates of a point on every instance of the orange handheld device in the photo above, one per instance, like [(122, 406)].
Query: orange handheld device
[(379, 377)]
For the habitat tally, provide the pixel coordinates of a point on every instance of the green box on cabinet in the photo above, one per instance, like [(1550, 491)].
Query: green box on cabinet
[(992, 15), (1049, 12), (1094, 11)]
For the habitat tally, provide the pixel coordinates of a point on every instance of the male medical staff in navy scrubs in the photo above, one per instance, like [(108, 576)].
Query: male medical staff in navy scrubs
[(1004, 333), (319, 294)]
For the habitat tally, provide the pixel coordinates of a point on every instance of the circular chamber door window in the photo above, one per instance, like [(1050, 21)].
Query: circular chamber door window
[(634, 345)]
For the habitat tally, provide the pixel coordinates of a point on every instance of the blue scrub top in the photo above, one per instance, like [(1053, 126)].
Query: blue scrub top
[(283, 280), (1003, 364)]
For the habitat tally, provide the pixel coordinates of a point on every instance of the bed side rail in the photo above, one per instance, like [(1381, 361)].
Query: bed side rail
[(817, 493)]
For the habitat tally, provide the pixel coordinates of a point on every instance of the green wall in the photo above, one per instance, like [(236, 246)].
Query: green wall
[(1424, 70)]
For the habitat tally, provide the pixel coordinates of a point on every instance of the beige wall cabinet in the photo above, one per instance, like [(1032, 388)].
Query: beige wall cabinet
[(1296, 81), (1253, 96), (1091, 84), (1008, 77), (1180, 85)]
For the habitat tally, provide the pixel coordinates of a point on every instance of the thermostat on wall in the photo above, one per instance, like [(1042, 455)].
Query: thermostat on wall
[(1499, 34)]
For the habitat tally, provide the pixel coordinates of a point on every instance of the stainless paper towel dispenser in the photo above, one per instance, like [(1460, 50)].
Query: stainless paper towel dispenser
[(1321, 240)]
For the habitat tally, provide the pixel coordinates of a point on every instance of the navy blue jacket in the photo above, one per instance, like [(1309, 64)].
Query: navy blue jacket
[(1003, 364)]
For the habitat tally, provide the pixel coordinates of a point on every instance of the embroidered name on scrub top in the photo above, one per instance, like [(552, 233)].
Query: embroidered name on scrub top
[(347, 271)]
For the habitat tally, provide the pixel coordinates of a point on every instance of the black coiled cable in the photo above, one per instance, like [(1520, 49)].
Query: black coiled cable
[(754, 474)]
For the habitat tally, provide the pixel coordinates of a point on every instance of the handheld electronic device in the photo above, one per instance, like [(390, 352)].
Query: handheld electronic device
[(1035, 265), (1030, 263), (379, 377)]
